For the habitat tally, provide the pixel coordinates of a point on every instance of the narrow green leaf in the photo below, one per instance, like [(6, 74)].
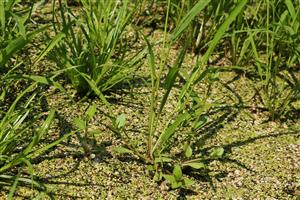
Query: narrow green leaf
[(256, 55), (171, 77), (25, 180), (170, 130), (13, 188), (29, 165), (184, 23), (243, 51), (151, 60), (153, 103), (17, 44), (45, 148), (200, 122), (12, 47), (195, 165), (42, 80), (212, 45), (42, 130), (13, 105), (223, 28), (122, 150), (162, 160), (95, 88), (39, 79), (3, 94), (291, 8), (50, 46), (20, 22), (45, 126)]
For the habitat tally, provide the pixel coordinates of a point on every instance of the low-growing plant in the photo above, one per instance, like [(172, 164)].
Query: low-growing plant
[(82, 125)]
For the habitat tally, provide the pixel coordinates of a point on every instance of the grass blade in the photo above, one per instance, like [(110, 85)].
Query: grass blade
[(291, 8), (50, 46), (43, 80), (13, 188), (188, 18), (217, 37), (95, 89), (169, 131), (171, 77), (40, 133), (45, 148), (17, 44), (2, 17)]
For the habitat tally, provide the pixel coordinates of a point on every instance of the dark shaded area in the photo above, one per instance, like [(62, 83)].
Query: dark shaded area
[(210, 129)]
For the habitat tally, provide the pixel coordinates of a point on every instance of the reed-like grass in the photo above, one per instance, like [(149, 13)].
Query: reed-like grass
[(159, 143), (94, 50), (20, 133), (267, 43)]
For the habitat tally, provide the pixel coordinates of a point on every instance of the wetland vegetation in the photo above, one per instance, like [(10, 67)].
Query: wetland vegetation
[(150, 99)]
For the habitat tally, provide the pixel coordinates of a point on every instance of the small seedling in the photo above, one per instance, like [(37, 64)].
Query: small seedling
[(82, 124)]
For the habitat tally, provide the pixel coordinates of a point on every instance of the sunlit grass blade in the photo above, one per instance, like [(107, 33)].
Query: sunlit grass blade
[(42, 80), (97, 91), (291, 8), (13, 188), (152, 114), (42, 130), (185, 22), (171, 77), (24, 180), (13, 105), (50, 46), (17, 44), (256, 54), (49, 146), (169, 131), (212, 45)]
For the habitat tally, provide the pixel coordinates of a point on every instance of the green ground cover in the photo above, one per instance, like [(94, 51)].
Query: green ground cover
[(163, 99)]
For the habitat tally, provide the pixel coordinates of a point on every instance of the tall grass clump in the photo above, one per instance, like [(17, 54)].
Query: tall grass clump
[(269, 39), (202, 27), (190, 111), (94, 46), (20, 136), (20, 130), (14, 36)]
